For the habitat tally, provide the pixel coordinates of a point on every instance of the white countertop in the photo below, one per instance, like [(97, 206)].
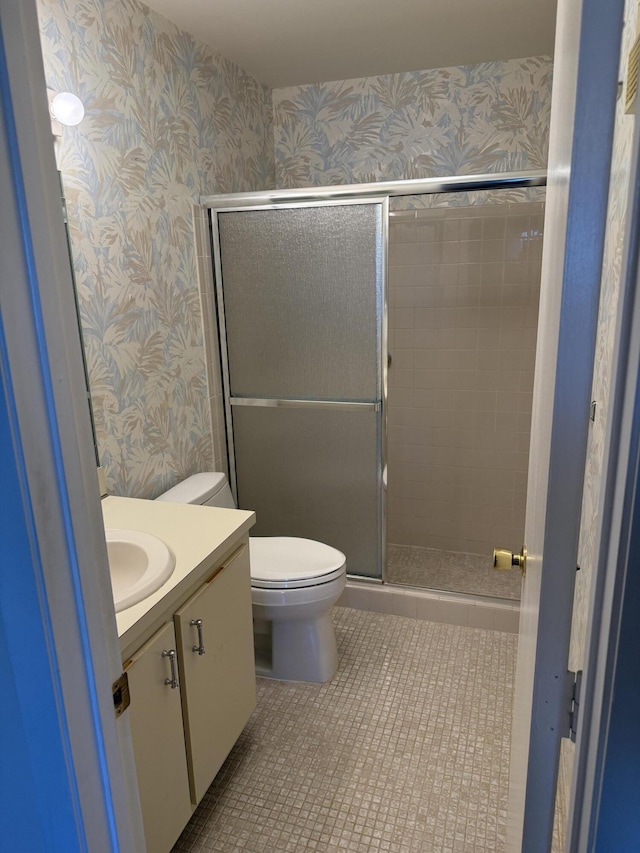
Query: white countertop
[(197, 535)]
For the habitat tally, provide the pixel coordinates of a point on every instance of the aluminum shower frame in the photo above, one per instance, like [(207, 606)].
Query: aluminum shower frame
[(379, 192)]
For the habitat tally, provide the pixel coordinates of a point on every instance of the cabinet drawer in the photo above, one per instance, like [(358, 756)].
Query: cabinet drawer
[(218, 686), (155, 716)]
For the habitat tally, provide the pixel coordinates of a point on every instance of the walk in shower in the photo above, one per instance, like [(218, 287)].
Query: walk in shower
[(377, 345)]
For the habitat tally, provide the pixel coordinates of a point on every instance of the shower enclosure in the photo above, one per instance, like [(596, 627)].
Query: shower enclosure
[(326, 300)]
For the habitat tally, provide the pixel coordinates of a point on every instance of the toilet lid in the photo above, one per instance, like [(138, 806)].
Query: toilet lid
[(284, 562)]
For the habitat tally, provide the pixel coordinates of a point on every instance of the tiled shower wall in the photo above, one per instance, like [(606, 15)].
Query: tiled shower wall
[(463, 294)]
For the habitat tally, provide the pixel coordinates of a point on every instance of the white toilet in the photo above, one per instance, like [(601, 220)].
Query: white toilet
[(294, 584)]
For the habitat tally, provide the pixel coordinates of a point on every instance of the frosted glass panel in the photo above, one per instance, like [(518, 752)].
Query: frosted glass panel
[(302, 300), (313, 473)]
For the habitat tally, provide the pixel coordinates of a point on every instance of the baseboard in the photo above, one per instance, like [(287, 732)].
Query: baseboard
[(432, 606)]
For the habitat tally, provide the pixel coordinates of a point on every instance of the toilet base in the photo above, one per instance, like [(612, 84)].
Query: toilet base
[(293, 633), (300, 649)]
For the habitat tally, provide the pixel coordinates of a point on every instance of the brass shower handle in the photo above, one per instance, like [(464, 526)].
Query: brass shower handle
[(504, 560)]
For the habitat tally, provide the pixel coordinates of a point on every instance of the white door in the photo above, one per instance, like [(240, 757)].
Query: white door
[(582, 118)]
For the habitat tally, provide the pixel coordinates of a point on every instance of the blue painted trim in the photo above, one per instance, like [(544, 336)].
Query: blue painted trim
[(56, 447), (618, 817), (39, 790)]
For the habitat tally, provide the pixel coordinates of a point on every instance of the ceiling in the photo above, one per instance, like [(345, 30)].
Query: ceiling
[(290, 42)]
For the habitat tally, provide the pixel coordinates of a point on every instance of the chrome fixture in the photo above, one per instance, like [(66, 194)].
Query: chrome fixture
[(197, 623), (173, 681)]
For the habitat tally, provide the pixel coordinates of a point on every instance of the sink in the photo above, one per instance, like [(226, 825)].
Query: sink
[(139, 564)]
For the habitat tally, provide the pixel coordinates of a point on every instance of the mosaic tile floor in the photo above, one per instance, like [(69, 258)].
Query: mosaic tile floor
[(451, 571), (405, 751)]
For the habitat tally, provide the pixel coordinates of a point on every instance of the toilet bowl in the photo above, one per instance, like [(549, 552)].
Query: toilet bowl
[(294, 584)]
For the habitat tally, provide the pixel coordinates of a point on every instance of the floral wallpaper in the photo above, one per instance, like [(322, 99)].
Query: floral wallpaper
[(166, 120), (472, 198), (469, 119)]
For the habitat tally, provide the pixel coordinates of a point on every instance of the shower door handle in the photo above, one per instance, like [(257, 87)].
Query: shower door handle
[(503, 560)]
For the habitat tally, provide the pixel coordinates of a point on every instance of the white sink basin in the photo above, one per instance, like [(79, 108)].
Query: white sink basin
[(139, 564)]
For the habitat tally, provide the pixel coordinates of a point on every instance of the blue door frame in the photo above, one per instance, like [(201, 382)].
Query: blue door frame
[(38, 788), (65, 765), (38, 785)]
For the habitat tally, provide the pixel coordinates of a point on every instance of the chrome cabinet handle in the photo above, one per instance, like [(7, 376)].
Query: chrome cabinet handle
[(173, 681), (197, 623)]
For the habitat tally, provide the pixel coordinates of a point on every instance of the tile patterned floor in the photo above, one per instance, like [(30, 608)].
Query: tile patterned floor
[(406, 750), (451, 571)]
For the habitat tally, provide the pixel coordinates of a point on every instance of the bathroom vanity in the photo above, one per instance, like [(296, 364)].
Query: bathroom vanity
[(187, 651)]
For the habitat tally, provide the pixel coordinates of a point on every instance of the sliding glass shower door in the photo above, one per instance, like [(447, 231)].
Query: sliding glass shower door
[(300, 301)]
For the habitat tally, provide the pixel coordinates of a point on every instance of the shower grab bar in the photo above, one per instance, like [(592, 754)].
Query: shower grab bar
[(346, 406)]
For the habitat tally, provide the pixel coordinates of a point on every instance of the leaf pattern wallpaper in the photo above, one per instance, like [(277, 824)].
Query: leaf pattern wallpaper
[(489, 117), (167, 119)]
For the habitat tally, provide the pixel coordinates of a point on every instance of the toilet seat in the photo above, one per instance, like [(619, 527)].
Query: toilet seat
[(284, 562)]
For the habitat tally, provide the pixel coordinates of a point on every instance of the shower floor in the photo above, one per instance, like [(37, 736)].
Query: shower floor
[(406, 750), (450, 571)]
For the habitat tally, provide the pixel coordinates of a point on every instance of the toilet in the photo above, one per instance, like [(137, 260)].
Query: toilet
[(294, 584)]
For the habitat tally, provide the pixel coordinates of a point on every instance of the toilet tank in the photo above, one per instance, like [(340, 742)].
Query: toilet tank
[(208, 489)]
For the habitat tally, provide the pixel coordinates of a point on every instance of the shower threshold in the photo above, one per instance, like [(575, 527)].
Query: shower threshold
[(450, 571)]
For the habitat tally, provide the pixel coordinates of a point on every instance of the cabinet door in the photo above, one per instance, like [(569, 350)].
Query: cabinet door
[(218, 686), (155, 715)]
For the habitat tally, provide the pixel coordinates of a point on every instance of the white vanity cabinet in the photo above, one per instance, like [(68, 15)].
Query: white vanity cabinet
[(215, 647), (155, 716), (181, 735)]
